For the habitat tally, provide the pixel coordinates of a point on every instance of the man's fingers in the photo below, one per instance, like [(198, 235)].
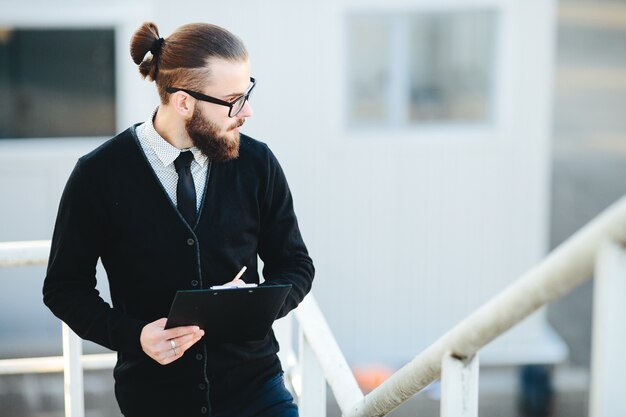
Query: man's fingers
[(184, 340), (168, 357), (161, 322), (180, 331), (189, 342), (159, 344), (234, 283), (169, 354)]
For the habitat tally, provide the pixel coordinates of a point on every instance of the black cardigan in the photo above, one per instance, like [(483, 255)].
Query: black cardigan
[(115, 208)]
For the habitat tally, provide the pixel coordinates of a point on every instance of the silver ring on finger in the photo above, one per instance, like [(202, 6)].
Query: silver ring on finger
[(175, 352), (173, 343)]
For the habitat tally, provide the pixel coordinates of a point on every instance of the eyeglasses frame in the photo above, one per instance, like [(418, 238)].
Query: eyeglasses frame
[(209, 99)]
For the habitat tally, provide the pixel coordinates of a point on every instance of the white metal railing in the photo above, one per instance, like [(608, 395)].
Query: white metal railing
[(608, 366), (568, 266), (34, 252), (454, 357), (73, 362)]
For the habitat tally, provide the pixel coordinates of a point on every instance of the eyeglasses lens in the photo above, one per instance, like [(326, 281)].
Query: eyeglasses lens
[(238, 106)]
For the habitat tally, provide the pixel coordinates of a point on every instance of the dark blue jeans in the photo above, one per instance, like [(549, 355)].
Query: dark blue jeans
[(272, 400)]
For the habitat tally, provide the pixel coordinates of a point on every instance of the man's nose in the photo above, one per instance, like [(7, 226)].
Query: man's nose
[(246, 110)]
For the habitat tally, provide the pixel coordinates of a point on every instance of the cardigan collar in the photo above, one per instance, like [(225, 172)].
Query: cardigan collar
[(134, 136)]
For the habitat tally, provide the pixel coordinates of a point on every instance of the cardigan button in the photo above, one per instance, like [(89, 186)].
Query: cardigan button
[(190, 242), (199, 356), (203, 410), (194, 283), (201, 386)]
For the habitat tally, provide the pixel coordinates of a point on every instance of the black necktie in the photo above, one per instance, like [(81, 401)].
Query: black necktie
[(186, 190)]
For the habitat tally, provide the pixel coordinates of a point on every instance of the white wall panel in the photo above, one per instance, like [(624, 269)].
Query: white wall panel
[(410, 228)]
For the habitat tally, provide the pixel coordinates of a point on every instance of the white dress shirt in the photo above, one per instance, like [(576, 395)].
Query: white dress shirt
[(161, 155)]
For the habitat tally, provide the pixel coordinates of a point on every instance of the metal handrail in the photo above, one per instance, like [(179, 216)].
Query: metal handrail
[(34, 252), (73, 362), (51, 364), (565, 268), (560, 272), (329, 356)]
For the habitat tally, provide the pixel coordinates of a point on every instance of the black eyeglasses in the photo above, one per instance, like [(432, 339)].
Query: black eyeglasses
[(234, 106)]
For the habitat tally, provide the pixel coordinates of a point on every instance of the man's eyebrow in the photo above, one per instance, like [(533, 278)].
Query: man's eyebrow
[(237, 95), (234, 95)]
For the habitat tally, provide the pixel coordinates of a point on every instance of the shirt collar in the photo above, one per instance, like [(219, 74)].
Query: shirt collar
[(165, 151)]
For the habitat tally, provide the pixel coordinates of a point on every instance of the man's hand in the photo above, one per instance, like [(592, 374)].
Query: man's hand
[(234, 283), (165, 346)]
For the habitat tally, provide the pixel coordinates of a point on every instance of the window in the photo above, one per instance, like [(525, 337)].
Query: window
[(417, 68), (56, 83)]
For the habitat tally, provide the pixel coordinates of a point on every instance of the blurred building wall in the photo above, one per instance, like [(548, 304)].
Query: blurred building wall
[(411, 225), (589, 151)]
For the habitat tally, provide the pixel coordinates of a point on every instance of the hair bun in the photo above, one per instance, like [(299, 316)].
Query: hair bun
[(146, 39), (156, 46)]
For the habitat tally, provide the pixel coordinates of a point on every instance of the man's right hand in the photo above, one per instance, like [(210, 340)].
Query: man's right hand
[(165, 346)]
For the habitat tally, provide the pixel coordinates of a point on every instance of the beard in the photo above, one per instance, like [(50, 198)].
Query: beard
[(207, 137)]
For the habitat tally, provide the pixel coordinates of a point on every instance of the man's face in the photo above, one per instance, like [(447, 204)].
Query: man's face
[(218, 142), (211, 130)]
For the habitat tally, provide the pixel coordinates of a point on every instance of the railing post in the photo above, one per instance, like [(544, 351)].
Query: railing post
[(313, 399), (73, 374), (316, 333), (608, 366), (284, 332), (459, 386)]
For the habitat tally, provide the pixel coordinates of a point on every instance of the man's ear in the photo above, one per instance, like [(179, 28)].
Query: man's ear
[(182, 103)]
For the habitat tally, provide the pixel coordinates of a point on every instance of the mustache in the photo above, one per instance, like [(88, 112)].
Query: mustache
[(239, 123)]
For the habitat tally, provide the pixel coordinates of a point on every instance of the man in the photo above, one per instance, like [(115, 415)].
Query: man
[(182, 201)]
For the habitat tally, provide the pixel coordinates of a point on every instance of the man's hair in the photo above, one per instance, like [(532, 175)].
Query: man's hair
[(182, 59)]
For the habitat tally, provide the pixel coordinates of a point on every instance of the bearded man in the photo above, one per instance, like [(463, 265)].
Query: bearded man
[(180, 202)]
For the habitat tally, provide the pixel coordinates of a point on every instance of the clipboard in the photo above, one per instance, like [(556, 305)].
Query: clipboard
[(231, 314)]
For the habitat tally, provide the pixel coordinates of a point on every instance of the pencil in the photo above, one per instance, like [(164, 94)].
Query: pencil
[(240, 273)]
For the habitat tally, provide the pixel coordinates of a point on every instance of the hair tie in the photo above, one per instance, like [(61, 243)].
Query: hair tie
[(156, 47)]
